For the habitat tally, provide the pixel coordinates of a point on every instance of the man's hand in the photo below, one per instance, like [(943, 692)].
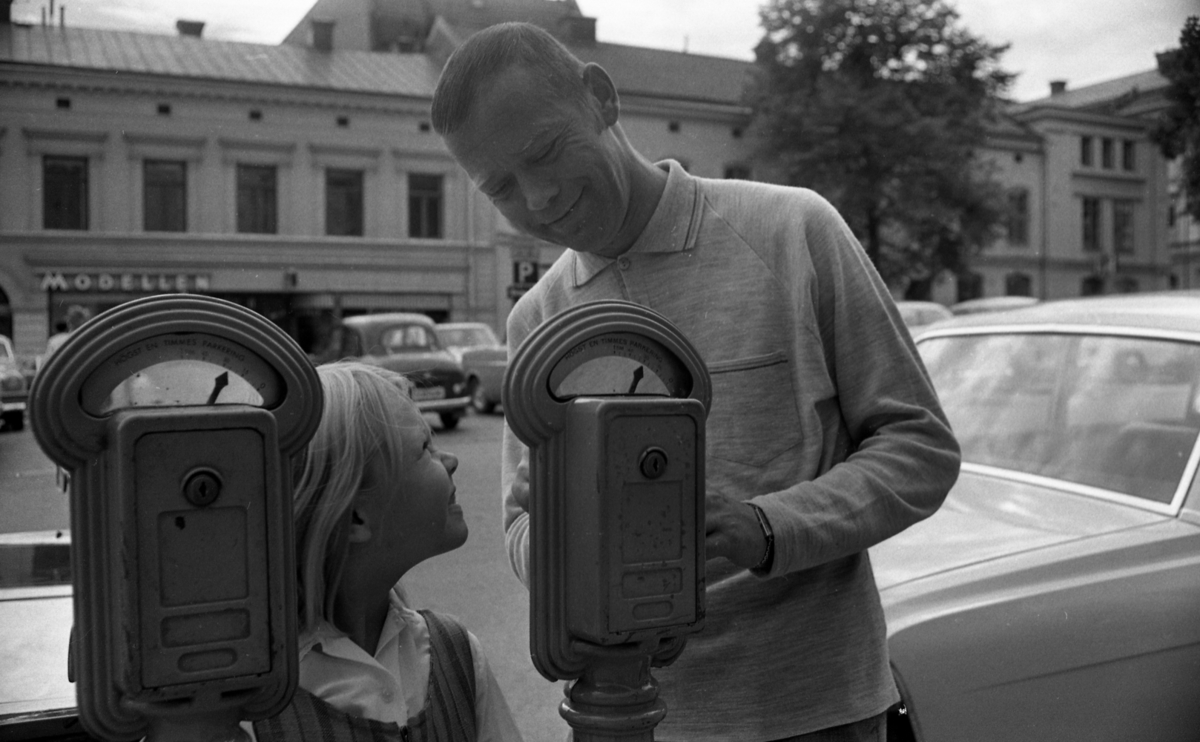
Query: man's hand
[(732, 531)]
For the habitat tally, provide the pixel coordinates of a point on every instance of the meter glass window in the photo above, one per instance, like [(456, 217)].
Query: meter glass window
[(619, 364), (181, 369), (181, 382)]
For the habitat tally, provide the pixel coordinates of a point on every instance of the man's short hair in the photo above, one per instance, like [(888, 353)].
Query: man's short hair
[(493, 50)]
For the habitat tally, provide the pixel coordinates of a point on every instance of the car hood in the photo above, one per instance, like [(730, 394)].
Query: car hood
[(437, 360), (988, 518), (481, 353), (33, 649)]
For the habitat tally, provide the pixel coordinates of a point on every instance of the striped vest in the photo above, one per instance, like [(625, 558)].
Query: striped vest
[(448, 716)]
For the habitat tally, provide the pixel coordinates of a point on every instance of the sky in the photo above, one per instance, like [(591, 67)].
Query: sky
[(1079, 41)]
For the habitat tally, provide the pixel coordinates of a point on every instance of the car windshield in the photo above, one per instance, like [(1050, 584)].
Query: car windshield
[(462, 337), (1110, 412), (6, 353), (407, 339)]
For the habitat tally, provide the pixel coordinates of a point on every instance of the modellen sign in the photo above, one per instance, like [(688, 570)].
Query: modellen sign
[(158, 283)]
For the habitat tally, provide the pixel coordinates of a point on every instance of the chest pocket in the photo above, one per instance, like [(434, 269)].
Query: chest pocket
[(753, 417)]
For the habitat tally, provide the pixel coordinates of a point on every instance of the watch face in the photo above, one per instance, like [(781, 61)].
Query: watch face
[(619, 364), (181, 369)]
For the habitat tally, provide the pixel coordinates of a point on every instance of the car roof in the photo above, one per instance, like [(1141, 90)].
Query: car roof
[(387, 318), (1174, 311)]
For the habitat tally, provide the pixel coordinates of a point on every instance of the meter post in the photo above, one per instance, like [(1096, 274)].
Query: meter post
[(177, 418), (611, 399)]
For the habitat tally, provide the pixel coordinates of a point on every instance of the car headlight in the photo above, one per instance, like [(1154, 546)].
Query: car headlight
[(459, 387), (12, 382)]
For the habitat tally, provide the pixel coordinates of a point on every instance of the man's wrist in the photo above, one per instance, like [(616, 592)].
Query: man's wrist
[(768, 557)]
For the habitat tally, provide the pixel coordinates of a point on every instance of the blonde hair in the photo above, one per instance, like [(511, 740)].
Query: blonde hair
[(363, 404)]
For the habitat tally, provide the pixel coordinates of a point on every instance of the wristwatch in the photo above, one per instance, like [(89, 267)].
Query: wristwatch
[(764, 564)]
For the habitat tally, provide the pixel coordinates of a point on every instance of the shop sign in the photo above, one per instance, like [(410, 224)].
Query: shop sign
[(150, 283)]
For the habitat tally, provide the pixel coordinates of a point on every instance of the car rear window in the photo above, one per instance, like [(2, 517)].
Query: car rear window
[(1111, 412)]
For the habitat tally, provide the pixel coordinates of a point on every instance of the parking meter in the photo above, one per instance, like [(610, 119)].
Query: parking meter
[(611, 399), (177, 418)]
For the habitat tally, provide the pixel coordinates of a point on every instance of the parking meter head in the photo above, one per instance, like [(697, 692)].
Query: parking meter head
[(176, 417), (611, 399)]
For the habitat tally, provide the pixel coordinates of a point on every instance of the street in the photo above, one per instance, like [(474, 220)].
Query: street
[(473, 583)]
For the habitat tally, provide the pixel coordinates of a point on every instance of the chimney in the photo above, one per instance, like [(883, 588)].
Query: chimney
[(322, 34), (189, 28), (1058, 87)]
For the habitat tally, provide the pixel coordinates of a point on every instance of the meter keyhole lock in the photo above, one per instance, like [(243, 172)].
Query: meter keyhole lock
[(653, 462), (202, 486)]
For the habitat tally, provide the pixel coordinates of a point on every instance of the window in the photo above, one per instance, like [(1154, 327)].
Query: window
[(344, 202), (1018, 284), (1123, 226), (1018, 217), (1091, 286), (64, 192), (424, 205), (1128, 156), (1125, 285), (257, 205), (737, 172), (164, 196), (1106, 153), (1091, 224), (1085, 151)]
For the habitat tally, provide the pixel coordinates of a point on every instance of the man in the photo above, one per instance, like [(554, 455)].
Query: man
[(824, 436)]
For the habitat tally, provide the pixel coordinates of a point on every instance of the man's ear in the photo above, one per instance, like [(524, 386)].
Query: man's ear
[(603, 91), (360, 529)]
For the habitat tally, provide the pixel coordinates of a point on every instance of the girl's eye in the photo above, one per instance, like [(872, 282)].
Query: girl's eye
[(546, 155)]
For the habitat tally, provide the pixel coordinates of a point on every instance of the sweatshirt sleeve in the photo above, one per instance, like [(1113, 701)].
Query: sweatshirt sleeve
[(902, 455)]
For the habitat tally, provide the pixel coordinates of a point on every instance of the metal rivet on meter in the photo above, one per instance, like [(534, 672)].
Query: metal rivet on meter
[(653, 462), (202, 487)]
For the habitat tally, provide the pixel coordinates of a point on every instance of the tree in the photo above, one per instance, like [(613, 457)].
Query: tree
[(1177, 132), (881, 107)]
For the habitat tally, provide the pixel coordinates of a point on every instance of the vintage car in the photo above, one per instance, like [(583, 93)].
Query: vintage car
[(1056, 593), (484, 359), (988, 304), (918, 314), (14, 387), (406, 342)]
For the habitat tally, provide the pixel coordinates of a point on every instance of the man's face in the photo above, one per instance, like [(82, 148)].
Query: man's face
[(554, 169)]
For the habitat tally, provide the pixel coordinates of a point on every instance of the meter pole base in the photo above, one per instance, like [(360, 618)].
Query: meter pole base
[(615, 699)]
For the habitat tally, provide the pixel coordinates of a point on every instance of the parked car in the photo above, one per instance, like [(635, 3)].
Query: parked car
[(14, 387), (1056, 593), (918, 314), (992, 304), (407, 343), (484, 359)]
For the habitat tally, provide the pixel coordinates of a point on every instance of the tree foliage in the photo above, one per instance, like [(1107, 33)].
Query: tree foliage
[(1177, 133), (881, 106)]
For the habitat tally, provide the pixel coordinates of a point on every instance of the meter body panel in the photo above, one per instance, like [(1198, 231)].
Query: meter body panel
[(635, 559), (201, 612), (611, 399), (177, 418)]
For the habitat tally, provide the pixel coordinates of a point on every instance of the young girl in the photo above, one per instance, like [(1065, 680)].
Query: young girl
[(374, 499)]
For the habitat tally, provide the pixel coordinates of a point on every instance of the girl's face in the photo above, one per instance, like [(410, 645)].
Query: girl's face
[(416, 516)]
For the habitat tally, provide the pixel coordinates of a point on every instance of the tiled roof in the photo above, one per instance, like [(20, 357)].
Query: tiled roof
[(670, 75), (190, 57), (1090, 96)]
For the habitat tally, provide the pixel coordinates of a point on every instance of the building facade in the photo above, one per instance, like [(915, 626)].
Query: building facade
[(303, 180)]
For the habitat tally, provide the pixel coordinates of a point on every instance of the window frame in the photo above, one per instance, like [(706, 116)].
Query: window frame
[(55, 186), (249, 222), (353, 188), (426, 205), (167, 210)]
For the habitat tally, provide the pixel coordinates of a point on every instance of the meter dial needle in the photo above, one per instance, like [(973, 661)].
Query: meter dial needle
[(638, 373), (220, 383)]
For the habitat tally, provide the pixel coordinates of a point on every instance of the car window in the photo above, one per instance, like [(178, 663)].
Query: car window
[(1117, 413), (467, 336), (407, 338), (6, 351)]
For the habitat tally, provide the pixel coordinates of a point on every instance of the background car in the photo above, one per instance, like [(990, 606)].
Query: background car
[(1056, 593), (14, 387), (484, 359), (407, 343), (992, 304), (918, 314)]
